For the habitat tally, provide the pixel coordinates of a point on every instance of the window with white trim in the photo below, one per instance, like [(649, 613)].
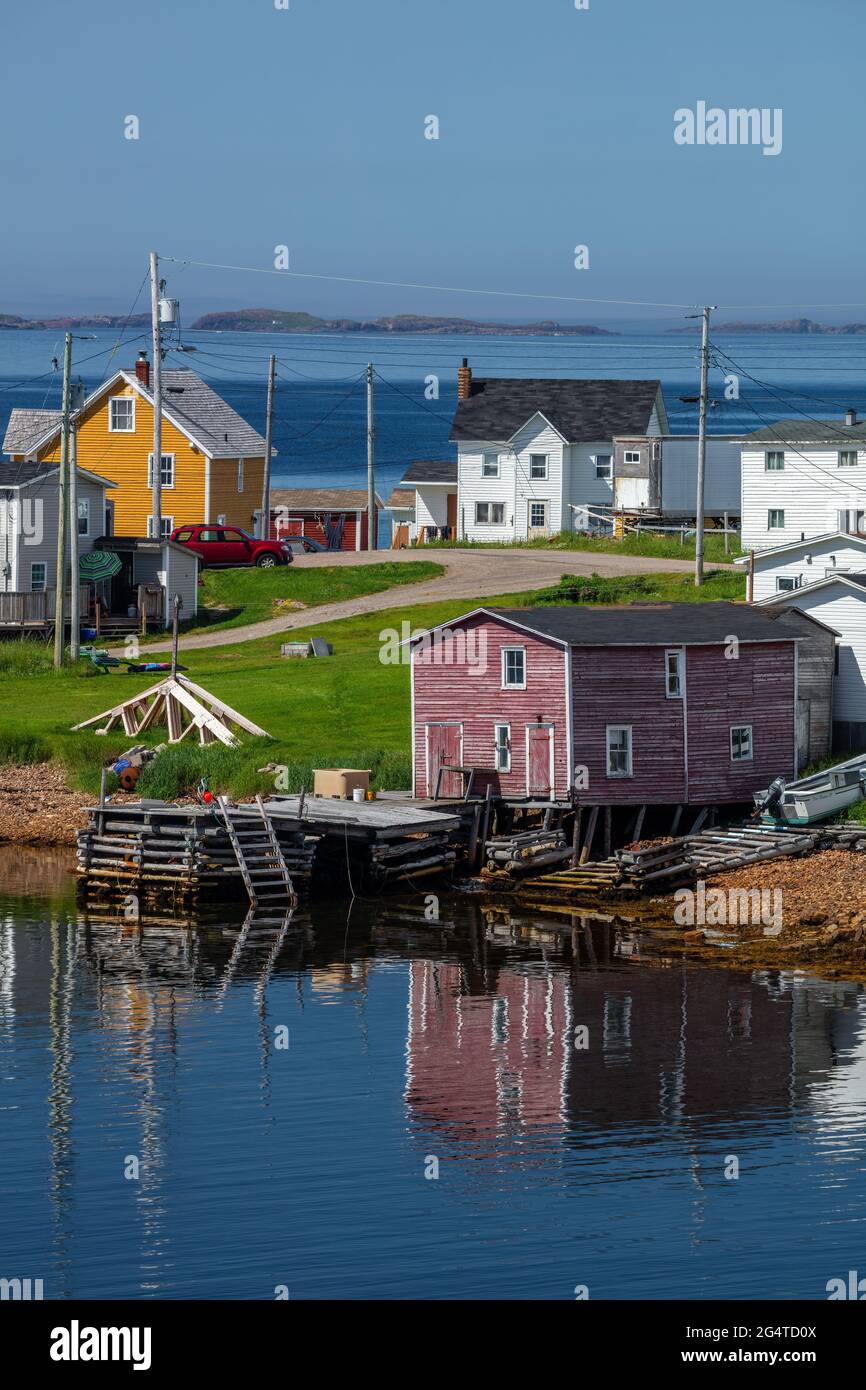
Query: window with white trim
[(37, 576), (538, 514), (240, 475), (502, 747), (631, 456), (538, 466), (604, 465), (847, 458), (514, 668), (674, 660), (774, 461), (166, 471), (786, 582), (741, 743), (84, 516), (167, 526), (121, 415), (490, 513), (618, 738), (776, 519), (489, 465)]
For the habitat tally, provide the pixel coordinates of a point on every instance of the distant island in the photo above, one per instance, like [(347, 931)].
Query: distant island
[(285, 321), (77, 321), (289, 321), (783, 326)]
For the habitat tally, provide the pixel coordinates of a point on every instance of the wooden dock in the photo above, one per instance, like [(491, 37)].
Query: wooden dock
[(663, 867), (268, 850)]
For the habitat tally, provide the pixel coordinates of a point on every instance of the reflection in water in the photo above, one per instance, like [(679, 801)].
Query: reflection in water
[(582, 1102)]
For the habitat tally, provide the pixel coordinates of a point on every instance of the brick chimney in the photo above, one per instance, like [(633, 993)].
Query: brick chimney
[(850, 416), (142, 368), (464, 381)]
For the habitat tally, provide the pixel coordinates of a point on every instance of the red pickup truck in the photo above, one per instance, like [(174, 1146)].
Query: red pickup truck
[(229, 546)]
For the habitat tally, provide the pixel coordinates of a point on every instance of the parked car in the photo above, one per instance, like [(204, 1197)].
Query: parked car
[(228, 546), (305, 544)]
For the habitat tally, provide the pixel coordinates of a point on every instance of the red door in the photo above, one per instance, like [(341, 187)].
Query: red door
[(444, 749), (539, 747)]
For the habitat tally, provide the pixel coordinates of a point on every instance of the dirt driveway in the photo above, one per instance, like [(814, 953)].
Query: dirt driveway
[(469, 574)]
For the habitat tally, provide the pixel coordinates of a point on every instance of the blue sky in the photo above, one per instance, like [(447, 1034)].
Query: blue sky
[(261, 127)]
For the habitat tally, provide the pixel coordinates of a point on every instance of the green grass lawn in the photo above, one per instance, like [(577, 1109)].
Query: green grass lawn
[(655, 544), (233, 597), (347, 710)]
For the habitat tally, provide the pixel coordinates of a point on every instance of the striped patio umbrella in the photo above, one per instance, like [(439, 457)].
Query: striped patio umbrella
[(98, 564)]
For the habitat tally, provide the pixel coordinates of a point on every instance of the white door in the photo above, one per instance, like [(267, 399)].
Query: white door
[(538, 520)]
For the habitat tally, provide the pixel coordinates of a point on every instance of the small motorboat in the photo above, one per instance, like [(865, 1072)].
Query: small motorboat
[(813, 799)]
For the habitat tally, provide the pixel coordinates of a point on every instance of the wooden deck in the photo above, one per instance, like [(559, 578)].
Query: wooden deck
[(371, 820)]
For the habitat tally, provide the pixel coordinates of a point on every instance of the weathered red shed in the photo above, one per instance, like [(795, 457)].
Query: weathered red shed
[(665, 703), (336, 517)]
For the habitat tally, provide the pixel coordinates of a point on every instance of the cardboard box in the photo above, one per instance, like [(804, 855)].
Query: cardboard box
[(339, 781)]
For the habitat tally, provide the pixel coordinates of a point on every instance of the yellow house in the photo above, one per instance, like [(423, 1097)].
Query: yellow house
[(212, 460)]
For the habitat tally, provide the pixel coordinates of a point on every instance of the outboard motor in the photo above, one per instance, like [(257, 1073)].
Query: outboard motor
[(772, 803)]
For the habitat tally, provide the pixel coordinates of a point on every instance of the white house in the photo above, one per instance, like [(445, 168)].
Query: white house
[(534, 453), (839, 601), (802, 563), (28, 523), (434, 485), (803, 478)]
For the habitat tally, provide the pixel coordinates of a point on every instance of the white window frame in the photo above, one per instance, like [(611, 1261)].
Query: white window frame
[(112, 427), (786, 583), (538, 502), (167, 526), (164, 472), (507, 684), (84, 515), (480, 521), (618, 729), (36, 565), (741, 757), (502, 751), (775, 511), (603, 467), (775, 467), (679, 674), (545, 464), (631, 456), (490, 464), (841, 456), (240, 475)]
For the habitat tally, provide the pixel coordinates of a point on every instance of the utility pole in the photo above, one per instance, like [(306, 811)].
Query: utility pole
[(371, 475), (74, 584), (156, 385), (265, 522), (702, 444), (60, 580)]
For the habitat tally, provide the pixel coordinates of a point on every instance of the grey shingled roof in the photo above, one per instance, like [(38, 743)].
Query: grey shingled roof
[(204, 415), (582, 410), (322, 499), (402, 498), (804, 431), (25, 427), (20, 474), (647, 624), (431, 471), (207, 417)]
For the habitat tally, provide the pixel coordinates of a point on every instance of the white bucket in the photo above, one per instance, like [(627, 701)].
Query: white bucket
[(358, 794)]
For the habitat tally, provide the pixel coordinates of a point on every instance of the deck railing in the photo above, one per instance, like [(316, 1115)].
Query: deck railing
[(35, 610)]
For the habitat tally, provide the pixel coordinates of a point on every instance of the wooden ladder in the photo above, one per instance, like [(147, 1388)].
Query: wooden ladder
[(260, 859)]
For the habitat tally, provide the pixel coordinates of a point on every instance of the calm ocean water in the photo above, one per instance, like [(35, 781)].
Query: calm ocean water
[(411, 1046), (320, 425)]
